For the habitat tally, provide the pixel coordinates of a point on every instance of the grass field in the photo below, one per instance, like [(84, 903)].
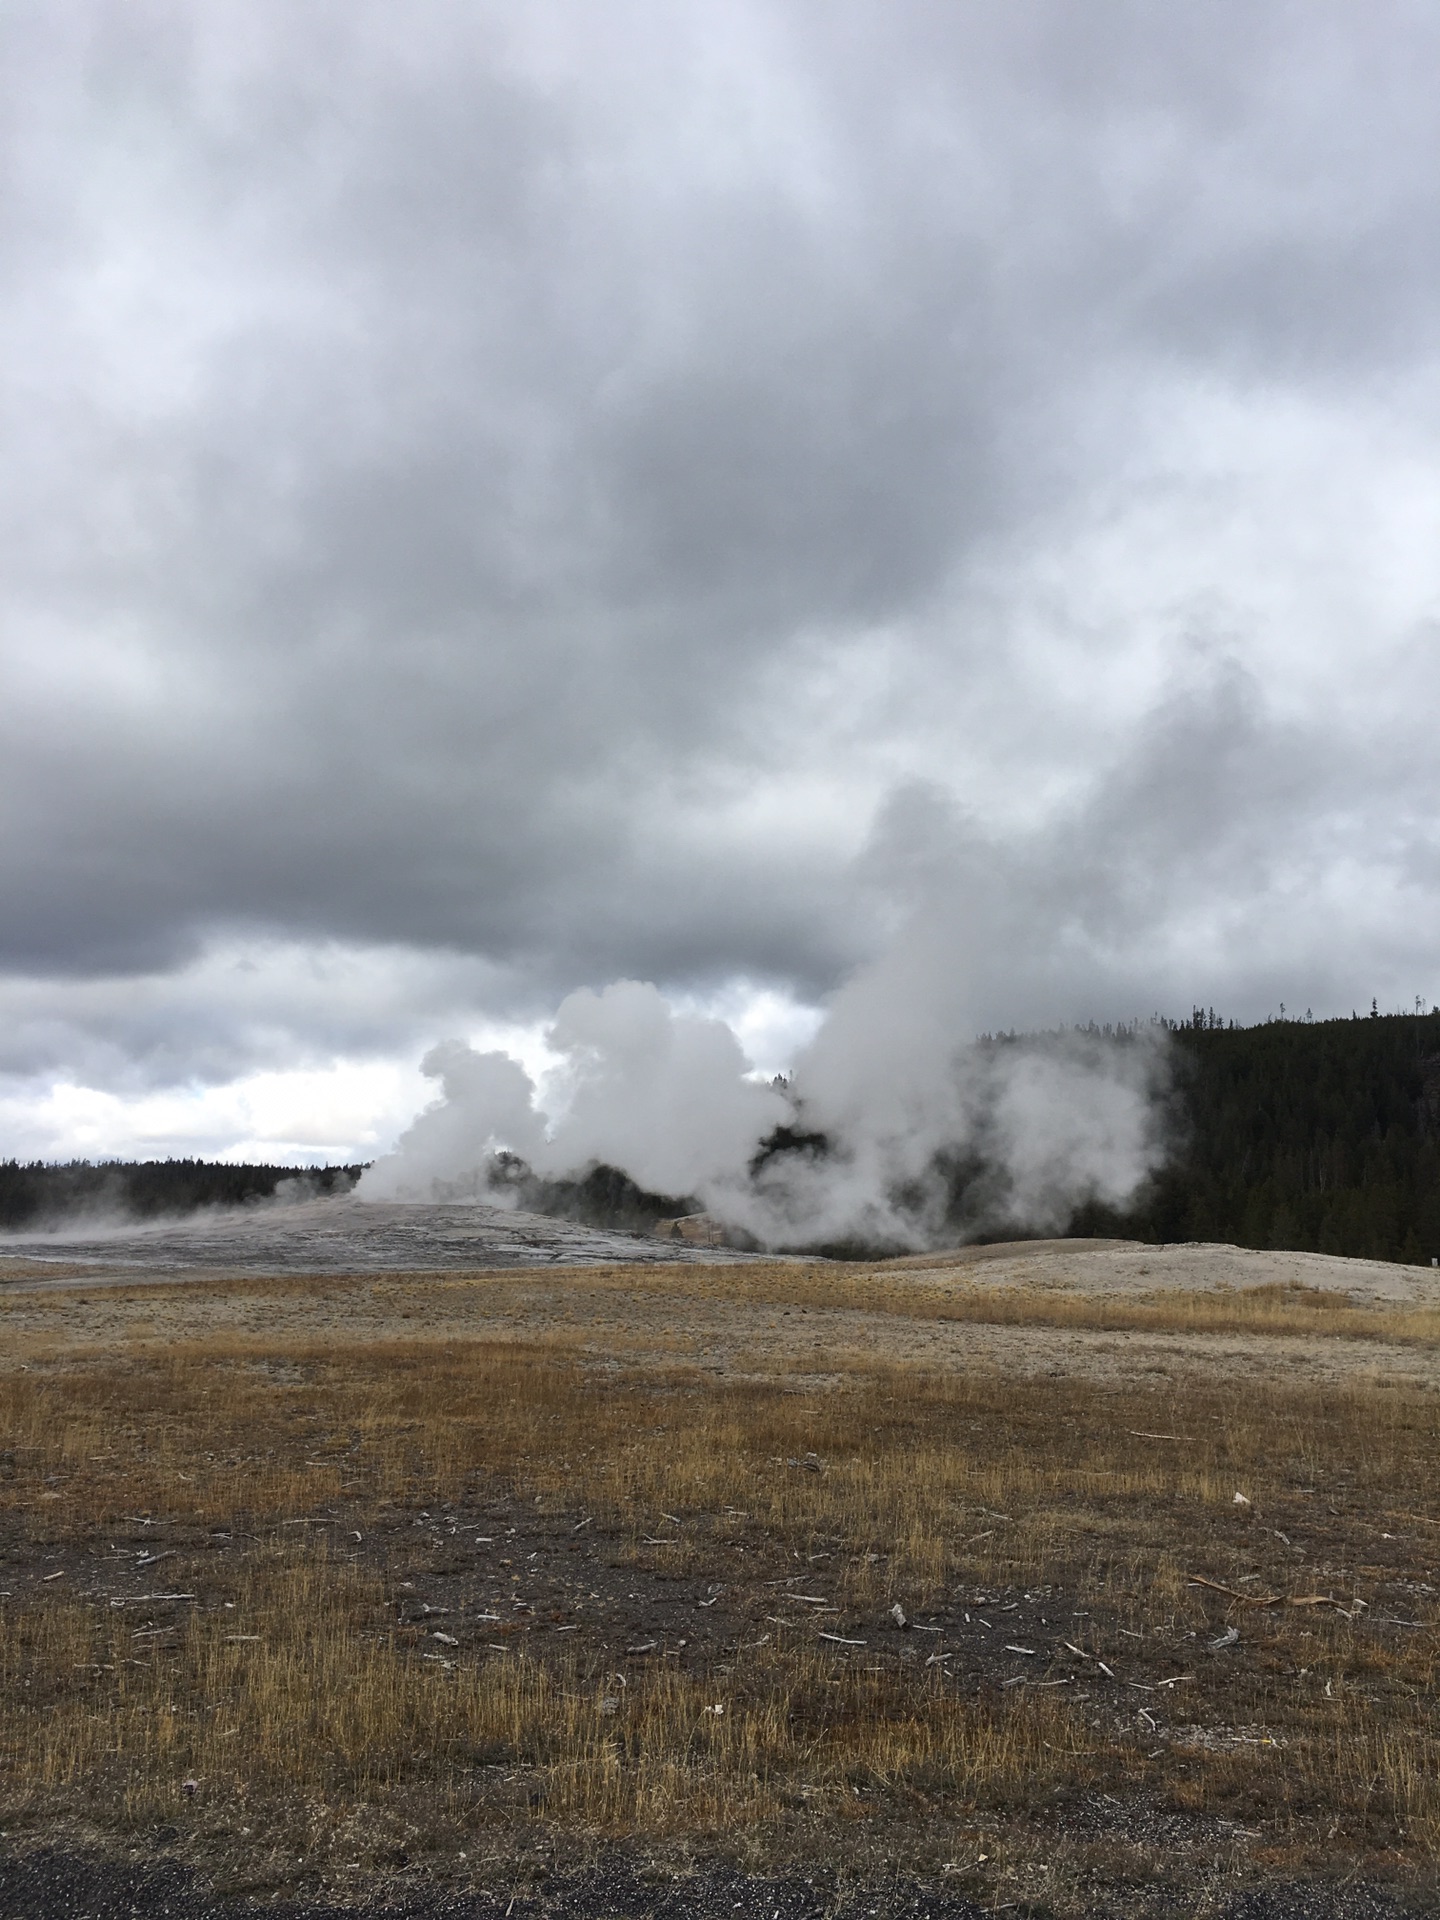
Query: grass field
[(295, 1585)]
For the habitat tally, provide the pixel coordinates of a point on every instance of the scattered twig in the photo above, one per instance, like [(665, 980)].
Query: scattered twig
[(1233, 1593), (1275, 1599)]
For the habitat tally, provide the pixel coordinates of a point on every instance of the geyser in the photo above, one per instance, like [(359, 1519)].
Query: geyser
[(889, 1130)]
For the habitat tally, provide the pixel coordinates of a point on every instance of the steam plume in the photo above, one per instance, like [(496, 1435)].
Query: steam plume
[(890, 1129)]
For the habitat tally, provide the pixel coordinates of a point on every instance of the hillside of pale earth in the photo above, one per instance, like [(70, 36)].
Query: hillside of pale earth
[(342, 1235), (349, 1235), (1117, 1267)]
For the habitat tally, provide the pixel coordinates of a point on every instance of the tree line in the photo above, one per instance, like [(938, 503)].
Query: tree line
[(36, 1194), (1313, 1135)]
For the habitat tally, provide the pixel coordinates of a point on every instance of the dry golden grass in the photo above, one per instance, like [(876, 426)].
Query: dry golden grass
[(889, 1289), (233, 1426), (317, 1701), (297, 1703), (1276, 1308), (1272, 1309)]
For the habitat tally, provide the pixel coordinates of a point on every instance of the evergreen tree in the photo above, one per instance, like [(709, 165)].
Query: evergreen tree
[(1320, 1136)]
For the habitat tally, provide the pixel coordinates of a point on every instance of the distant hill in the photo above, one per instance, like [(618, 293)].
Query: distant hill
[(1319, 1136), (37, 1195)]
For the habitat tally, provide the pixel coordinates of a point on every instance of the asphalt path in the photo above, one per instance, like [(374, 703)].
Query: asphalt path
[(53, 1884)]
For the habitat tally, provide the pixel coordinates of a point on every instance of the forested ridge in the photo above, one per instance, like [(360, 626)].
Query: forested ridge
[(1322, 1136), (40, 1195)]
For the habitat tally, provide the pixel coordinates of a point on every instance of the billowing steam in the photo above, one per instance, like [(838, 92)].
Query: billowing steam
[(889, 1130), (661, 1095)]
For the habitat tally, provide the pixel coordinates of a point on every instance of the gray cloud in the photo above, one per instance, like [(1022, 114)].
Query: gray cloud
[(595, 503)]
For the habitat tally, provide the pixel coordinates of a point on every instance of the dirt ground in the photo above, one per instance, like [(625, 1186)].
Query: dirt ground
[(695, 1309), (1162, 1522)]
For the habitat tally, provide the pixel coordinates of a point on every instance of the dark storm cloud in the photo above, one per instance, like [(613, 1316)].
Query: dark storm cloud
[(270, 1008), (442, 444)]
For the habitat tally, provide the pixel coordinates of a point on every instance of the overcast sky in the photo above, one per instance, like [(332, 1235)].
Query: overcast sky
[(497, 499)]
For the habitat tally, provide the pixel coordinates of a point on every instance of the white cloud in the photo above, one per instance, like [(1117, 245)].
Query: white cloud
[(318, 1116)]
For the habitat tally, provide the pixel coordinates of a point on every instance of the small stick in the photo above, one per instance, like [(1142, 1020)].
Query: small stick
[(1268, 1599), (1231, 1593)]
